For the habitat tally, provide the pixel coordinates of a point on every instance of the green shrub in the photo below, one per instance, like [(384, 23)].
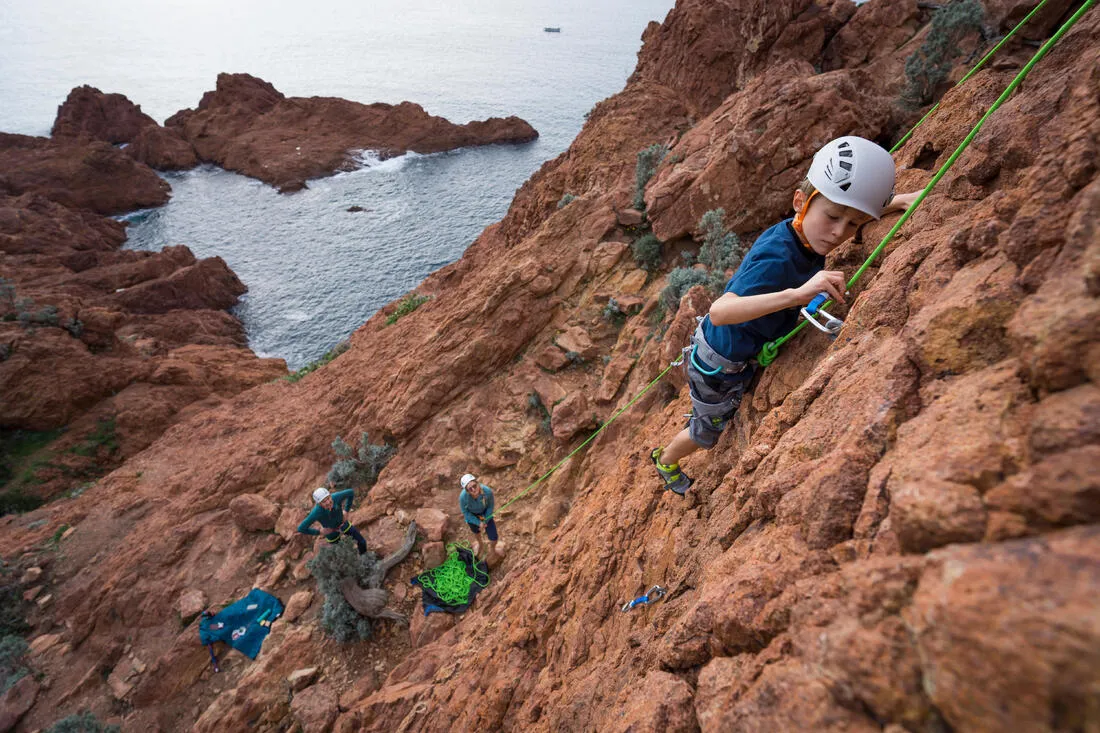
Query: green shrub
[(648, 160), (535, 405), (83, 722), (74, 327), (721, 249), (408, 304), (565, 200), (681, 280), (332, 564), (331, 354), (647, 252), (104, 436), (28, 317), (15, 501), (927, 68), (7, 293), (613, 313), (12, 617), (358, 468), (12, 669)]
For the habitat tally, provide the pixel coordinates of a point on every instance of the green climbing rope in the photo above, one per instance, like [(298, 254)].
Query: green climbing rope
[(449, 581), (771, 349), (591, 437)]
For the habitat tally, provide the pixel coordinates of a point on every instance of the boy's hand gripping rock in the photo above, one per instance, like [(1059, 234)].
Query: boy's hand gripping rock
[(826, 281)]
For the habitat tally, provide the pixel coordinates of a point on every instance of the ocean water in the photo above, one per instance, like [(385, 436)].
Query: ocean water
[(315, 271)]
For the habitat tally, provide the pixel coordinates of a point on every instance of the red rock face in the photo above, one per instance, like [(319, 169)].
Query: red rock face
[(898, 531), (109, 344), (81, 175), (88, 112), (248, 126)]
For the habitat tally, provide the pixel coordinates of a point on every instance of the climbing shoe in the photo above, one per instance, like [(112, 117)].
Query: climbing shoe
[(675, 480)]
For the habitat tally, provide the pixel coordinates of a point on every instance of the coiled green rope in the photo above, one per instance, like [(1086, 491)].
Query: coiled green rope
[(449, 581)]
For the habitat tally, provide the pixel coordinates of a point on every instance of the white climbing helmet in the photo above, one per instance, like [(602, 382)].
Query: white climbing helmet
[(467, 479), (320, 495), (855, 172)]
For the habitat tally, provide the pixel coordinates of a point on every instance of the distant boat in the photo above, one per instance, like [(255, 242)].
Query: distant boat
[(548, 29)]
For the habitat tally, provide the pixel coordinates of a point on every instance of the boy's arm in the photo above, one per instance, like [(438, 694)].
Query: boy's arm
[(305, 527), (732, 308), (901, 202)]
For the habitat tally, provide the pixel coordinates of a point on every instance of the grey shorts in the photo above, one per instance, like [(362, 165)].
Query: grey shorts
[(714, 402)]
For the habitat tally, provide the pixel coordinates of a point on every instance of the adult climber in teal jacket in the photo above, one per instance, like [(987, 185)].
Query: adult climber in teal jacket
[(476, 503), (329, 511)]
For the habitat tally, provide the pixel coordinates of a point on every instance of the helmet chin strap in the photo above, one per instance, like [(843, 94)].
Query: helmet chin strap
[(797, 223)]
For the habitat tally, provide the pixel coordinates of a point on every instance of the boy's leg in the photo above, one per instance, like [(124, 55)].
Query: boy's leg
[(713, 405), (356, 535), (679, 447)]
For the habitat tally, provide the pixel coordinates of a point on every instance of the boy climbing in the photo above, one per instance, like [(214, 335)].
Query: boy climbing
[(476, 503), (329, 511), (850, 182)]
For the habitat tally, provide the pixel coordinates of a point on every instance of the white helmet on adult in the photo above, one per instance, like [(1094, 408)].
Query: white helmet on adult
[(320, 495), (855, 172), (467, 479)]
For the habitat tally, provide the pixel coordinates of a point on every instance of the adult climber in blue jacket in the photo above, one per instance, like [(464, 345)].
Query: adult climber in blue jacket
[(476, 503), (329, 510)]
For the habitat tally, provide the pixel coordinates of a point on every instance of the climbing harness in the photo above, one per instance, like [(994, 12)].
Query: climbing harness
[(450, 581), (770, 350), (620, 411), (654, 594), (832, 325), (337, 533)]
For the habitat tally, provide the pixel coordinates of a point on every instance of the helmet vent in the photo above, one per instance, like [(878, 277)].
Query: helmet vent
[(845, 186)]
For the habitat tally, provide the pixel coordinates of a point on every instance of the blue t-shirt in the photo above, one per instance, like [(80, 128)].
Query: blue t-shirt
[(776, 261)]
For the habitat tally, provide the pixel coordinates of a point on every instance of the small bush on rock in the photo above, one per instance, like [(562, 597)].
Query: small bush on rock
[(565, 200), (930, 64), (681, 280), (12, 669), (408, 304), (332, 564), (358, 468), (83, 722), (648, 160), (647, 252), (331, 354), (721, 249)]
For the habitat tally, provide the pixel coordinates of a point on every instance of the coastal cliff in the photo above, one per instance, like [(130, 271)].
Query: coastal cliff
[(898, 532)]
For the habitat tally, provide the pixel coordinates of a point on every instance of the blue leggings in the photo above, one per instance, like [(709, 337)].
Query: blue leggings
[(349, 529), (490, 529)]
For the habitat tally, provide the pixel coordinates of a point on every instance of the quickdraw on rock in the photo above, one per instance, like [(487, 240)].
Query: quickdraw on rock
[(831, 326), (655, 593)]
